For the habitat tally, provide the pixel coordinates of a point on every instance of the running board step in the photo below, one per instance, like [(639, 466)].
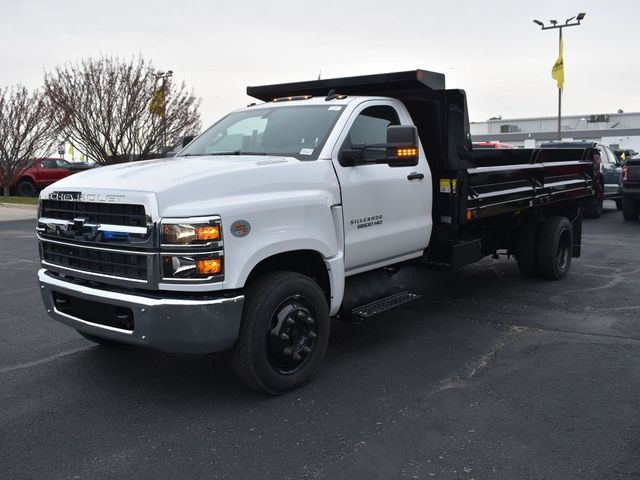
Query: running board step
[(384, 304)]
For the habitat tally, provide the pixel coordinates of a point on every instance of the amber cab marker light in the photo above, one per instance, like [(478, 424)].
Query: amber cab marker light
[(208, 266), (407, 152), (208, 233)]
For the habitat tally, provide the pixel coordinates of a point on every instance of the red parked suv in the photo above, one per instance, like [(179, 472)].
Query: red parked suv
[(40, 173)]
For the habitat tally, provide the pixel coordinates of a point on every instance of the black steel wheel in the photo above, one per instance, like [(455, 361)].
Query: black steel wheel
[(630, 208), (26, 189), (555, 248), (284, 333), (527, 248)]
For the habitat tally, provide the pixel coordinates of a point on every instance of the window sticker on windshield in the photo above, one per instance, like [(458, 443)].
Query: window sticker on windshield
[(335, 107), (306, 151)]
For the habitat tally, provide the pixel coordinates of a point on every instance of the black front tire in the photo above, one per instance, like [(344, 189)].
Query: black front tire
[(284, 333), (26, 189), (555, 248), (630, 209)]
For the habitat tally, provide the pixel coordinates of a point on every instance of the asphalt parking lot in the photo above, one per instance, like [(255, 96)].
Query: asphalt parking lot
[(487, 376)]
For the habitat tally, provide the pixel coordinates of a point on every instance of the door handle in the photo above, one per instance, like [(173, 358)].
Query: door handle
[(415, 176)]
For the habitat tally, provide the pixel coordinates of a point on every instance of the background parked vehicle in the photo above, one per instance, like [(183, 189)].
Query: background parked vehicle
[(631, 188), (610, 175), (42, 172)]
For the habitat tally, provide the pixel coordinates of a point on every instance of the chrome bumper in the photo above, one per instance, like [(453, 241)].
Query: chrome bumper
[(169, 324)]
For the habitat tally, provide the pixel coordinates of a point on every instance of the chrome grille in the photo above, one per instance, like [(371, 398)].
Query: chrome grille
[(95, 212)]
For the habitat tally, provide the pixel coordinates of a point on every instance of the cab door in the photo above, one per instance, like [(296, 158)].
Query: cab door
[(386, 210)]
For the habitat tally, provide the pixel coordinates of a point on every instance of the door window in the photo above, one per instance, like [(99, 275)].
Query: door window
[(370, 127), (48, 163)]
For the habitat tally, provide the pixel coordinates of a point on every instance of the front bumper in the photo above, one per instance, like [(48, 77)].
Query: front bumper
[(169, 324)]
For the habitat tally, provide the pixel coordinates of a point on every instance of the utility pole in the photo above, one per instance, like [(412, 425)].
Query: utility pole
[(554, 25)]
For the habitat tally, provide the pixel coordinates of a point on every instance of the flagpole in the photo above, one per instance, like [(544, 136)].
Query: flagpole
[(560, 61), (560, 90)]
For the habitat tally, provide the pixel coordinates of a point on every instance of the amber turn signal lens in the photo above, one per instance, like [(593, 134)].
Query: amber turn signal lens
[(208, 266), (208, 233), (407, 152)]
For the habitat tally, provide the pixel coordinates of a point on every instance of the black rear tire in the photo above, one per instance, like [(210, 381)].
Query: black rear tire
[(630, 209), (26, 189), (527, 248), (555, 248), (284, 333), (98, 340)]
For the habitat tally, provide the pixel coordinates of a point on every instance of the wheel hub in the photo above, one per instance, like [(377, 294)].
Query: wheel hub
[(292, 336)]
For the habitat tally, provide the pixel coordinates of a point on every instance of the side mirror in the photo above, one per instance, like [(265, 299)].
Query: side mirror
[(350, 157), (402, 145)]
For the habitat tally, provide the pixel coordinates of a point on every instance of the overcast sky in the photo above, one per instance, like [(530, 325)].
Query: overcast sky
[(489, 48)]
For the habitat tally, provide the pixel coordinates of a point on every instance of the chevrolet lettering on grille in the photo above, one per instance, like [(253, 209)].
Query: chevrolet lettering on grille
[(86, 197)]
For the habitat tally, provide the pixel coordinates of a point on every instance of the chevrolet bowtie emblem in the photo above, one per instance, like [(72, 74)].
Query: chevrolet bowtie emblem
[(78, 223)]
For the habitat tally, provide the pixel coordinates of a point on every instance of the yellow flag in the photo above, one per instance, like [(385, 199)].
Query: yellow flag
[(156, 105), (557, 72), (71, 149)]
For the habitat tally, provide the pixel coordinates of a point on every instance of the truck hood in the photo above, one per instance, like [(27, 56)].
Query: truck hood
[(193, 183)]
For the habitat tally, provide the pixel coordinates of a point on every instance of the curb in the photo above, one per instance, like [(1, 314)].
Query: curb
[(19, 205)]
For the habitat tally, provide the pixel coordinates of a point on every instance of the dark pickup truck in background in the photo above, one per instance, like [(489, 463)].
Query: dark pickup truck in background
[(609, 176), (631, 188)]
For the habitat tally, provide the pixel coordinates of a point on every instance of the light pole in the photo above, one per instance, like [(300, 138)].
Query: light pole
[(554, 24), (163, 76)]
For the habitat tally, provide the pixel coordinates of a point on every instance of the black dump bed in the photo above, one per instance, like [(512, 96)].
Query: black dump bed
[(468, 185)]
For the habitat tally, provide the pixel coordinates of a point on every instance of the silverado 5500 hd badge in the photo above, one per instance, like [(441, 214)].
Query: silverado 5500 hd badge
[(366, 222)]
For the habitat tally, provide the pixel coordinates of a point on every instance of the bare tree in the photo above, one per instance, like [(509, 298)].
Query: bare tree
[(26, 129), (108, 108)]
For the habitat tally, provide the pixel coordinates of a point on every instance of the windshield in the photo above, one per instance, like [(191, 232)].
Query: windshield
[(296, 131)]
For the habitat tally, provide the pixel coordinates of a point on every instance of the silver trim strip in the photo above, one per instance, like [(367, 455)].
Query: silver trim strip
[(527, 166), (566, 182), (107, 227), (128, 298), (90, 273), (568, 162), (103, 249), (500, 168), (502, 192), (101, 226)]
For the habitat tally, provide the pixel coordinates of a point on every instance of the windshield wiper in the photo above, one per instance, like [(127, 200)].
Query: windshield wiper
[(238, 152)]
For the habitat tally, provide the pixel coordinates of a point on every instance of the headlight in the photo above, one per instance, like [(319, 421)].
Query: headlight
[(192, 249), (191, 267), (190, 234)]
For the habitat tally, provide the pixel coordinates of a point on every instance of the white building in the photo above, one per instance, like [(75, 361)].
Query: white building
[(620, 130)]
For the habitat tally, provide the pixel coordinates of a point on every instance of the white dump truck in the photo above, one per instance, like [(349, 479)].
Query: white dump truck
[(296, 210)]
